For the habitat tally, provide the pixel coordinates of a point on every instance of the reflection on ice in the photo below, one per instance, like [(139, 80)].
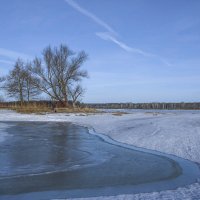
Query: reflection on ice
[(3, 133)]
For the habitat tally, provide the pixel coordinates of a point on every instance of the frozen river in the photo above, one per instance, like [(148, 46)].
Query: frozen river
[(39, 160)]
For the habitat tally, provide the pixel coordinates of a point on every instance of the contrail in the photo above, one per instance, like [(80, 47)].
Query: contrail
[(90, 15), (109, 37), (110, 34)]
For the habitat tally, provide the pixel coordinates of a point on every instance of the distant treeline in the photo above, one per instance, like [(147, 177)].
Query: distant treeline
[(167, 106)]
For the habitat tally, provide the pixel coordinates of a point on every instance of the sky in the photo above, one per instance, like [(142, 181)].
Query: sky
[(139, 50)]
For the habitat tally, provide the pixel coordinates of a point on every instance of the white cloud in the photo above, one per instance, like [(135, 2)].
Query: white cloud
[(6, 61), (13, 55)]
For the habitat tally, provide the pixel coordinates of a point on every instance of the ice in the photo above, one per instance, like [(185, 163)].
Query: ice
[(171, 132), (3, 133)]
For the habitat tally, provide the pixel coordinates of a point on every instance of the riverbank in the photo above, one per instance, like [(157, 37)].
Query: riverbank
[(176, 133)]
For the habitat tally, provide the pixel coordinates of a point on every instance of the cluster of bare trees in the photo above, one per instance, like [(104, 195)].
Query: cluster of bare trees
[(57, 74), (19, 83)]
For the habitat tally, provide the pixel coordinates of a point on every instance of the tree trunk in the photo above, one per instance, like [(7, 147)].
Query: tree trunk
[(28, 92), (20, 94), (21, 98), (65, 102)]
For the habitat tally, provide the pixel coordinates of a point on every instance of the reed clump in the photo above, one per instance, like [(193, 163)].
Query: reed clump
[(119, 113), (45, 107)]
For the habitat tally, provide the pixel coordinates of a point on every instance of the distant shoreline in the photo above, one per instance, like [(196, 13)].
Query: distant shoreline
[(159, 106)]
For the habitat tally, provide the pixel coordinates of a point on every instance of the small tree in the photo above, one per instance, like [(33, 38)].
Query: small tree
[(58, 69), (2, 79), (31, 91), (14, 82), (19, 83), (75, 93)]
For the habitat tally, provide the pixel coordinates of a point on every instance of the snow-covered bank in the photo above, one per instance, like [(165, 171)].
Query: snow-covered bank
[(176, 133)]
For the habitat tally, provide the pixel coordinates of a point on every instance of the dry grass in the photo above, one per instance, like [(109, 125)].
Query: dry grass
[(119, 113), (32, 109), (75, 110), (41, 109)]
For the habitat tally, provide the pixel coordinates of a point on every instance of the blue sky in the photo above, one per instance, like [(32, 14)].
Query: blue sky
[(139, 50)]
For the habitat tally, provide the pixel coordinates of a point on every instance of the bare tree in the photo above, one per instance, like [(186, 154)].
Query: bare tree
[(75, 93), (19, 82), (31, 91), (58, 69), (14, 82), (2, 80)]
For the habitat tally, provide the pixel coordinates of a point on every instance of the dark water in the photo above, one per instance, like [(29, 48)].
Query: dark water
[(46, 156)]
